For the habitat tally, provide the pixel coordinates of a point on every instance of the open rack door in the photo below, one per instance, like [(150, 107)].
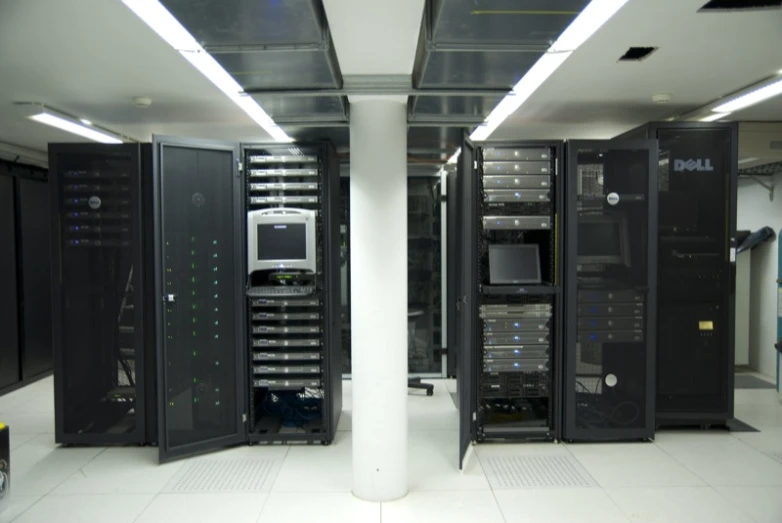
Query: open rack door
[(198, 261), (466, 298)]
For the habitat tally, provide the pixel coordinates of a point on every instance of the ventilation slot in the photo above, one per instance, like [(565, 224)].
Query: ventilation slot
[(738, 5), (636, 54)]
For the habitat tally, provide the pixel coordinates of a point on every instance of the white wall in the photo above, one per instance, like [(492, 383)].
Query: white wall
[(756, 211)]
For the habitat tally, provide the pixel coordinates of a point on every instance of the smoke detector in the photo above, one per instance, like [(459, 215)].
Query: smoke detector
[(141, 102), (661, 98)]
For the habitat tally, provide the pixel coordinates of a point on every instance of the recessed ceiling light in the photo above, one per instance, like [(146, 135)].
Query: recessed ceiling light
[(45, 115), (751, 98), (714, 117)]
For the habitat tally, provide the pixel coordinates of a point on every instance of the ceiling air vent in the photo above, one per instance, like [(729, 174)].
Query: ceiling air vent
[(635, 54), (737, 5)]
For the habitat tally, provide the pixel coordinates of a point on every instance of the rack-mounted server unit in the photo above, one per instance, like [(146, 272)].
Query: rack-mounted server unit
[(101, 293), (509, 291), (698, 165), (611, 265)]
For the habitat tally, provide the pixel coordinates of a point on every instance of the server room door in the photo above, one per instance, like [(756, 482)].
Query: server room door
[(467, 299), (198, 263), (611, 266)]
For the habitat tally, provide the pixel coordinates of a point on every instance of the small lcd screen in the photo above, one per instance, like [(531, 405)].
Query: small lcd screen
[(514, 264), (599, 239), (282, 241)]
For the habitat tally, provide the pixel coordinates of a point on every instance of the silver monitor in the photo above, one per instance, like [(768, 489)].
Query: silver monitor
[(281, 238)]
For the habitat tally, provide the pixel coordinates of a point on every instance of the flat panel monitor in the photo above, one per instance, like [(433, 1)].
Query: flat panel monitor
[(514, 264), (602, 239), (280, 239)]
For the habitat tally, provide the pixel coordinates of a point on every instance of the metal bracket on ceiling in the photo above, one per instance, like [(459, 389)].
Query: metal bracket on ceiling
[(767, 186), (264, 48)]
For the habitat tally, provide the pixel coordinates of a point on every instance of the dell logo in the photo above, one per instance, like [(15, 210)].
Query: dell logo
[(692, 165)]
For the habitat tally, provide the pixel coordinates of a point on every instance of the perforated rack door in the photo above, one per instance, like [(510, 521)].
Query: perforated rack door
[(97, 300), (611, 276), (201, 385)]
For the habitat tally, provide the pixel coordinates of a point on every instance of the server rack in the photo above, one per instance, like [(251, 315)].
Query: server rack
[(508, 332), (610, 264), (26, 348), (295, 343), (698, 173), (101, 293)]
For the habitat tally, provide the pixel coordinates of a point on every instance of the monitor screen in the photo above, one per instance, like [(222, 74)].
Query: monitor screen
[(511, 264), (282, 241), (599, 239)]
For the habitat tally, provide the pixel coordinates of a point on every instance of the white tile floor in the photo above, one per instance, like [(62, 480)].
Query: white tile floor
[(687, 477)]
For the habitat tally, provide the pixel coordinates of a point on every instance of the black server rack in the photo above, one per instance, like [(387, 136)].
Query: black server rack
[(100, 293), (26, 348), (510, 295), (698, 164), (294, 341), (9, 326), (610, 264)]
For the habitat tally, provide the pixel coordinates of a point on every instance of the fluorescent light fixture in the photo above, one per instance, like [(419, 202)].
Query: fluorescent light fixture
[(85, 121), (751, 98), (44, 115), (160, 20), (748, 160), (597, 13), (714, 117), (481, 133), (164, 24), (453, 159), (592, 18)]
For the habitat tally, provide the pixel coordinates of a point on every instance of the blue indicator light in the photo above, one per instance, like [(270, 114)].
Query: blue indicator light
[(515, 364), (593, 337), (516, 324), (593, 309)]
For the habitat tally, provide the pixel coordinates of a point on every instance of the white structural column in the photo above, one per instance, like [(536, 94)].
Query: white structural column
[(378, 291)]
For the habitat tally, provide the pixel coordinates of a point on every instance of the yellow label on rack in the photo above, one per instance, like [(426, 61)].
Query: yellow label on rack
[(706, 325)]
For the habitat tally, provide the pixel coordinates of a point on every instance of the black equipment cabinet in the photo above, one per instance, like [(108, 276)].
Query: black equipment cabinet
[(25, 290), (293, 344), (508, 291), (698, 164), (9, 326), (610, 264), (101, 299)]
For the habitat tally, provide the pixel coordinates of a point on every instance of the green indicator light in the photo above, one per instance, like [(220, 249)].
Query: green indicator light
[(215, 283), (168, 243), (195, 320), (192, 252), (216, 309), (195, 380), (195, 306), (195, 400), (214, 242), (195, 353), (193, 292), (215, 296), (214, 269), (195, 334), (192, 238), (217, 322), (217, 336), (214, 255), (170, 403), (192, 280), (192, 266)]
